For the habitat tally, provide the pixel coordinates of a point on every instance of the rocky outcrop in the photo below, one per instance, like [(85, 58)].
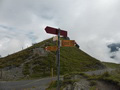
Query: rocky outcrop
[(11, 73)]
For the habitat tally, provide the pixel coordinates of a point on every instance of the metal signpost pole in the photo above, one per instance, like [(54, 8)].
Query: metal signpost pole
[(58, 32), (58, 62)]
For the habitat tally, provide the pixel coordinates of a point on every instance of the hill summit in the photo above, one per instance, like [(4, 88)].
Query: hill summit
[(35, 62)]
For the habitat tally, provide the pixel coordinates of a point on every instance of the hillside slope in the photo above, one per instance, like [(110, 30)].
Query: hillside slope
[(36, 62)]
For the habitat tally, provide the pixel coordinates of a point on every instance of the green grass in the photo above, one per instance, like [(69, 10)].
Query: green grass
[(53, 84), (93, 88), (113, 77), (73, 59), (72, 74), (111, 65), (93, 83)]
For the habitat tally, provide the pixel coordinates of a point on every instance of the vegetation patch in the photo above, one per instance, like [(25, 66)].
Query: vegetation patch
[(113, 78), (111, 65), (93, 83), (93, 88), (53, 84)]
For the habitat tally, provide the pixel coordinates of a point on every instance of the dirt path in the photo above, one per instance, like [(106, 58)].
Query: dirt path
[(39, 84)]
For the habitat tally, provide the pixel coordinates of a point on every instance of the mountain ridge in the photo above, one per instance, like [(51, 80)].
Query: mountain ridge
[(35, 62)]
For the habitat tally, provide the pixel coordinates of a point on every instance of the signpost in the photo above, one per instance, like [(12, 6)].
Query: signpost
[(51, 48), (58, 32), (55, 31), (67, 43)]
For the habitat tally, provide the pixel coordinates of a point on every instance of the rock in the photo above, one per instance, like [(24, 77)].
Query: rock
[(10, 73), (39, 51)]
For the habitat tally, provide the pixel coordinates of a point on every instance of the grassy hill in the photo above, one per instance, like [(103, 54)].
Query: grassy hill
[(72, 59)]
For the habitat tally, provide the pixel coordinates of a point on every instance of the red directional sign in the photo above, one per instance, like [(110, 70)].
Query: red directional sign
[(52, 30)]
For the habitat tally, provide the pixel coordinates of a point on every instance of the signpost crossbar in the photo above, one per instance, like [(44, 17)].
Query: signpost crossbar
[(55, 31)]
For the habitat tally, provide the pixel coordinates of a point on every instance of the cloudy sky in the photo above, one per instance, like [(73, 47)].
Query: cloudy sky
[(94, 24)]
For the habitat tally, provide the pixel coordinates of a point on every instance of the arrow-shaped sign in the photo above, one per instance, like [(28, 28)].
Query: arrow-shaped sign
[(51, 48), (52, 30), (67, 43)]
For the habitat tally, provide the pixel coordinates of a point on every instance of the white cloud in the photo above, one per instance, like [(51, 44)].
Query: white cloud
[(92, 23)]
